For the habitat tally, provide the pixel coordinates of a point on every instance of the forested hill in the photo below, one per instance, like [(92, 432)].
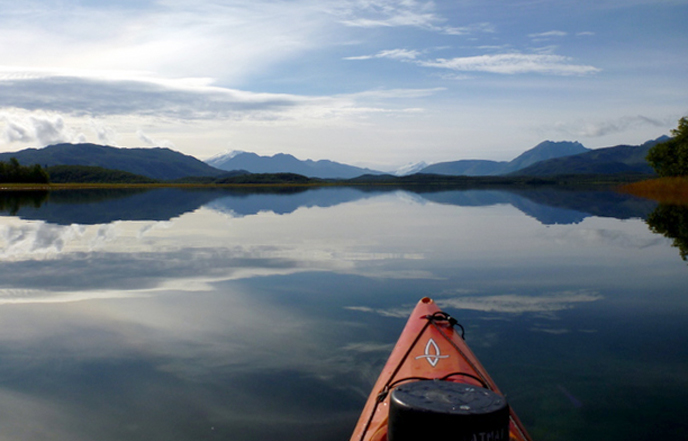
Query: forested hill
[(284, 163), (610, 160), (156, 163), (480, 167), (86, 163), (68, 174)]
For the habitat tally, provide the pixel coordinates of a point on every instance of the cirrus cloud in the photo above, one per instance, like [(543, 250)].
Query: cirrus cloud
[(548, 35), (181, 99), (394, 54), (516, 63), (543, 62), (97, 96), (603, 127), (388, 13), (405, 13)]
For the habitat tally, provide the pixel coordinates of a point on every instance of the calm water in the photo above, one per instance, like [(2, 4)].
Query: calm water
[(200, 315)]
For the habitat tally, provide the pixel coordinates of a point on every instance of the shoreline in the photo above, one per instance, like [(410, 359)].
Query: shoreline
[(78, 186), (669, 190), (436, 181)]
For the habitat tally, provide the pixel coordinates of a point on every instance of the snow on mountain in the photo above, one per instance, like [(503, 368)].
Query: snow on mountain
[(410, 168), (221, 158), (284, 163)]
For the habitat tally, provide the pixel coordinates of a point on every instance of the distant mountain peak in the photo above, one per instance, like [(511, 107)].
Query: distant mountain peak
[(410, 168), (549, 142), (544, 151), (476, 167), (554, 149), (653, 142), (157, 163), (224, 156), (286, 163)]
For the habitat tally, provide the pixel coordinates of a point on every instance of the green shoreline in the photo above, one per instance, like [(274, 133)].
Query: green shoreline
[(438, 181)]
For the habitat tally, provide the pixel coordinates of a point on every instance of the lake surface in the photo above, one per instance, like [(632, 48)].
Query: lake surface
[(255, 315)]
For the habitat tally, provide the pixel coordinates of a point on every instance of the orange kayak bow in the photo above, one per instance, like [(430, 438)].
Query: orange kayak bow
[(433, 385)]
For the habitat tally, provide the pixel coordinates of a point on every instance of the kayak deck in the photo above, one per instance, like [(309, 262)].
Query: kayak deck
[(429, 348)]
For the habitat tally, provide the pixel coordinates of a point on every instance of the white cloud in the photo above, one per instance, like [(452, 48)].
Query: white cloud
[(386, 13), (40, 128), (153, 141), (165, 102), (455, 77), (546, 50), (16, 132), (470, 29), (226, 40), (106, 134), (48, 130), (396, 93), (152, 64), (143, 137), (402, 13), (510, 64), (603, 127), (543, 62), (394, 54), (548, 35), (97, 97)]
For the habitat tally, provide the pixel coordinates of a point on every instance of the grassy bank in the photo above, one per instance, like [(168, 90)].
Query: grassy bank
[(439, 182), (666, 190)]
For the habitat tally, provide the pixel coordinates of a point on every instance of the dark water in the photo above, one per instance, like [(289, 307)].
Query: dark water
[(239, 315)]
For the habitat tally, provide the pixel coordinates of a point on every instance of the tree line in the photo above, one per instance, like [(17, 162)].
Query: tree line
[(15, 173), (670, 158)]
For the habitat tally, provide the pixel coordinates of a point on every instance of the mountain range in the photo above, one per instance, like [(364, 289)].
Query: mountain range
[(156, 163), (551, 158), (548, 158), (618, 159), (85, 207), (284, 163), (478, 167), (545, 159)]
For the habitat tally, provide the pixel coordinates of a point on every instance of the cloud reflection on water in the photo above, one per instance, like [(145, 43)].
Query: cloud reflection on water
[(79, 262), (209, 359), (381, 237), (597, 236), (164, 330), (518, 304), (502, 304)]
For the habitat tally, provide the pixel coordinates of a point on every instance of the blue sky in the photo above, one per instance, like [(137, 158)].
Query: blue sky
[(368, 82)]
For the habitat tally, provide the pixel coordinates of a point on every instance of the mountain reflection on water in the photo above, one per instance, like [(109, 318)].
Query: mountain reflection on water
[(96, 206), (248, 315)]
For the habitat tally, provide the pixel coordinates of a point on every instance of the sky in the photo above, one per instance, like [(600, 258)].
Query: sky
[(378, 83)]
